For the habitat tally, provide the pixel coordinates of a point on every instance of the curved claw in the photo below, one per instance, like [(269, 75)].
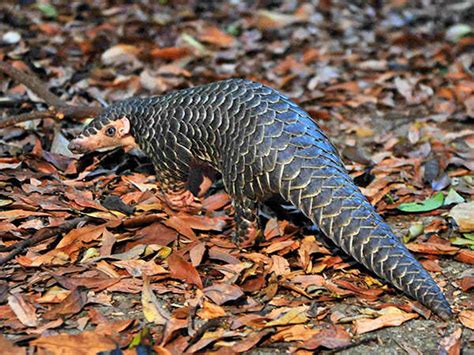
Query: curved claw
[(182, 200)]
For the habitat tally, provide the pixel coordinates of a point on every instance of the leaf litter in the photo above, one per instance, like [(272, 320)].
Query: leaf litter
[(396, 98)]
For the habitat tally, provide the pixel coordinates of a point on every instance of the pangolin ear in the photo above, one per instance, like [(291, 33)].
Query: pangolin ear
[(124, 126)]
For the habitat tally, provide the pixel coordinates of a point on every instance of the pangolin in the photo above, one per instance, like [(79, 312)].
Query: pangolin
[(264, 145)]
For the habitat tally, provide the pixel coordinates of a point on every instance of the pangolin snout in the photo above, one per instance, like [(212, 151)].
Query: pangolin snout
[(75, 147)]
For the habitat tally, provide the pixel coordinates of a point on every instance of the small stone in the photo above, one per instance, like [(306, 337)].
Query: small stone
[(11, 37)]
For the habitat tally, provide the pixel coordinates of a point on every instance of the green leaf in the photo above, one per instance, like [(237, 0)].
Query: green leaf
[(233, 29), (414, 231), (48, 10), (462, 241), (430, 204), (194, 43), (453, 197), (469, 236)]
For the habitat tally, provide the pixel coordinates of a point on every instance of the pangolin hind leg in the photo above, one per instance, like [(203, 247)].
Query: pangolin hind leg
[(248, 228)]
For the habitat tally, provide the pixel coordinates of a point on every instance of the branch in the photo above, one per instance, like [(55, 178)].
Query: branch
[(59, 108), (12, 120), (39, 236), (32, 83)]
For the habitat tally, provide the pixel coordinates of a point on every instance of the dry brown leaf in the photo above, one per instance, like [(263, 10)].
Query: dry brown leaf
[(181, 227), (197, 253), (215, 36), (451, 344), (24, 311), (54, 294), (389, 317), (466, 283), (170, 53), (331, 338), (138, 268), (221, 293), (250, 341), (12, 215), (210, 337), (295, 315), (370, 294), (153, 308), (432, 248), (9, 348), (277, 246), (155, 233), (183, 270), (431, 265), (210, 311), (90, 342), (466, 317), (271, 20), (308, 280), (280, 266), (465, 256), (71, 305), (298, 332), (203, 223)]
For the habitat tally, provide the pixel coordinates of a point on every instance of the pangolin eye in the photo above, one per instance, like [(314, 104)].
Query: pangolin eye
[(110, 131)]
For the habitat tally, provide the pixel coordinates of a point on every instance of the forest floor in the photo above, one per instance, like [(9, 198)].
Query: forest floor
[(113, 267)]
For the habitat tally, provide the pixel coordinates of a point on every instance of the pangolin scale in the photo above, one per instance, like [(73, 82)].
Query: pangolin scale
[(263, 144)]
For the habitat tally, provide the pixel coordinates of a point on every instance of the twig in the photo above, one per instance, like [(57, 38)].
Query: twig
[(32, 83), (39, 236), (58, 107), (12, 120)]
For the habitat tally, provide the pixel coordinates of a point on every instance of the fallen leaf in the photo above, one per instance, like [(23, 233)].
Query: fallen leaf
[(90, 342), (466, 283), (9, 348), (465, 256), (210, 337), (71, 305), (196, 254), (429, 204), (170, 53), (295, 315), (181, 227), (271, 20), (432, 248), (221, 293), (451, 344), (453, 198), (280, 266), (24, 311), (215, 36), (466, 317), (210, 311), (249, 341), (183, 270), (333, 338), (138, 268), (390, 317), (463, 214), (120, 54), (153, 309)]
